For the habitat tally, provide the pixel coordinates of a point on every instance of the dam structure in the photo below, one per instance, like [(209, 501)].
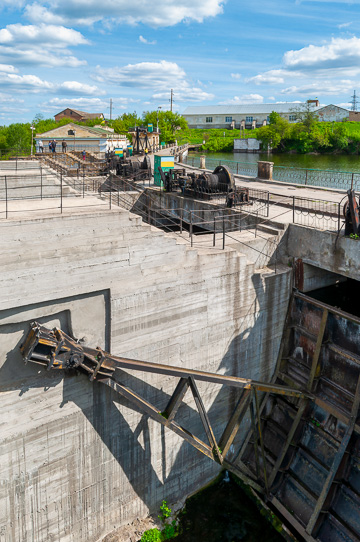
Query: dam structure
[(182, 282)]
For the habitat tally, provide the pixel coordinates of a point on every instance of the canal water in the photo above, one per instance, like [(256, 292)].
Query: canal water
[(334, 162), (223, 512)]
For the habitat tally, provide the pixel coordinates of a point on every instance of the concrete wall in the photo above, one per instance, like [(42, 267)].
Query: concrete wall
[(76, 461), (322, 249), (246, 145)]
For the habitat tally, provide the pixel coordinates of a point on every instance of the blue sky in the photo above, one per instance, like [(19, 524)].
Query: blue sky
[(81, 53)]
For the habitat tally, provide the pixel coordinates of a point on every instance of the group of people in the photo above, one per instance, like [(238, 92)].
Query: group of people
[(52, 146)]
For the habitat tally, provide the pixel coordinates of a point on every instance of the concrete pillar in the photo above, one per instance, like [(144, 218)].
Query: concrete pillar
[(265, 170), (180, 157), (202, 162)]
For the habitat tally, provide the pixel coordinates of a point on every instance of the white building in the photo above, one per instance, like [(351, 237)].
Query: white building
[(237, 116), (254, 115)]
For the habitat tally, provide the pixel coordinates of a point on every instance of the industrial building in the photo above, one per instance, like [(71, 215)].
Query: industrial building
[(250, 116)]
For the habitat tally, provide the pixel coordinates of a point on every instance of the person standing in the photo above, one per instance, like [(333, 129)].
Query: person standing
[(84, 154), (50, 146), (64, 145), (41, 146)]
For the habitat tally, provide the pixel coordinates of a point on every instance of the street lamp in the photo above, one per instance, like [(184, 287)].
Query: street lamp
[(32, 128)]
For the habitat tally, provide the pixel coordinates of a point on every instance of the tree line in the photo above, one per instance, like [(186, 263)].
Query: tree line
[(16, 137)]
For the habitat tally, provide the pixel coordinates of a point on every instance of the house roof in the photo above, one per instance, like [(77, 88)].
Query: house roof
[(83, 114), (242, 109), (85, 131), (318, 109)]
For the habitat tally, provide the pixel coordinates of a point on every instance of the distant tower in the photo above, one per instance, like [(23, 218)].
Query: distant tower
[(354, 102)]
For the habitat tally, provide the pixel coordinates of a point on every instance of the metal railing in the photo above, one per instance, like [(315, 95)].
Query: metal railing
[(342, 180)]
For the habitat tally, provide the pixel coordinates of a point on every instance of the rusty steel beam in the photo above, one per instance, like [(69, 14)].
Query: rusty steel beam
[(262, 448), (234, 423), (205, 420), (176, 399), (156, 415)]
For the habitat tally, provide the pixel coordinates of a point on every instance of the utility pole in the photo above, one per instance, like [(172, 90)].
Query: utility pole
[(171, 99), (354, 102), (111, 108)]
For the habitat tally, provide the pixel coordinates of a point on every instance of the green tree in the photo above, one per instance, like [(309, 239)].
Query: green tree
[(306, 114), (169, 123)]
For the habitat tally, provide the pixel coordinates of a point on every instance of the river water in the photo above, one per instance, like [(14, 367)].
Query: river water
[(338, 171), (334, 162)]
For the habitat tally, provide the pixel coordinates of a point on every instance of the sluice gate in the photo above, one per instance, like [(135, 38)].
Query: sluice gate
[(305, 453), (295, 441)]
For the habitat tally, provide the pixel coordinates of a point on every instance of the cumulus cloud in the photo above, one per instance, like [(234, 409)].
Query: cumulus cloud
[(147, 42), (320, 87), (244, 99), (32, 83), (338, 53), (44, 45), (99, 105), (271, 77), (25, 83), (185, 93), (143, 74), (7, 68), (74, 87), (154, 75), (8, 98), (156, 14)]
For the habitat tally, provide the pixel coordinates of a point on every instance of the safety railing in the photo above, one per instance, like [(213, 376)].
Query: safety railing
[(342, 180)]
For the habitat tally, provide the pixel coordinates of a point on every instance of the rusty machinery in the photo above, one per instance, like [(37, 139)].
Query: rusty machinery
[(351, 214), (205, 185)]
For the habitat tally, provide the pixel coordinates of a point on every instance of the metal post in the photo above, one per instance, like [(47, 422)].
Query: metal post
[(83, 186), (240, 220), (268, 205), (118, 196), (181, 220), (352, 181), (293, 209), (214, 231), (41, 184), (191, 229), (256, 223), (61, 194), (6, 199), (237, 167), (110, 192), (223, 231), (306, 177)]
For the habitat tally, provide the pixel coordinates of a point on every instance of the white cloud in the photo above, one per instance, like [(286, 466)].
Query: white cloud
[(7, 68), (95, 104), (74, 87), (147, 42), (156, 14), (154, 75), (184, 94), (235, 75), (271, 77), (343, 25), (143, 74), (244, 99), (8, 98), (43, 44), (338, 53), (320, 87), (29, 83)]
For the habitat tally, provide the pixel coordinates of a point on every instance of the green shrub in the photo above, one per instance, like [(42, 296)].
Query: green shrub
[(151, 535)]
